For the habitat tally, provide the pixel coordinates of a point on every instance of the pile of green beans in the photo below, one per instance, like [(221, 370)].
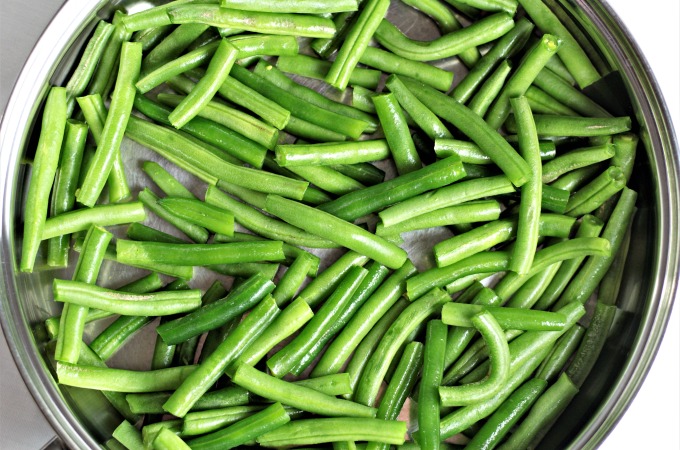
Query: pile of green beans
[(291, 308)]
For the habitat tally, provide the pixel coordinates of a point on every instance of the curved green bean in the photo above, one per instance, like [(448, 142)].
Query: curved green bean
[(121, 380)]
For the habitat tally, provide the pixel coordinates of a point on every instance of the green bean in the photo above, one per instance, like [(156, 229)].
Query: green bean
[(311, 131), (362, 99), (563, 351), (451, 44), (492, 87), (521, 79), (153, 17), (63, 193), (592, 343), (218, 70), (109, 341), (163, 354), (470, 153), (509, 6), (245, 333), (278, 78), (213, 218), (297, 396), (480, 211), (399, 65), (447, 22), (362, 322), (397, 133), (567, 94), (245, 430), (128, 435), (310, 67), (356, 42), (293, 279), (572, 55), (326, 430), (158, 303), (121, 380), (105, 75), (576, 178), (258, 22), (298, 350), (460, 315), (507, 415), (526, 353), (234, 147), (116, 121), (265, 225), (476, 129), (448, 196), (83, 72), (610, 285), (546, 409), (357, 204), (530, 193), (625, 146), (152, 202), (399, 388), (483, 262), (149, 432), (529, 294), (316, 115), (263, 45), (102, 215), (163, 179), (428, 395), (408, 320), (542, 103), (328, 179), (576, 159), (45, 164), (150, 37), (172, 46), (152, 403), (300, 7), (167, 440), (73, 317), (550, 125), (504, 48), (595, 193), (331, 153), (202, 422), (216, 314), (199, 161)]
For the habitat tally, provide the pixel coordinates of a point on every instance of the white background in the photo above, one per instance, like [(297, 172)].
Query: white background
[(653, 419), (651, 422)]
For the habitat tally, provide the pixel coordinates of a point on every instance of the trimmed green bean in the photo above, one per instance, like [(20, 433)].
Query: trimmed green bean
[(152, 202), (480, 32), (385, 61), (542, 103), (293, 279), (530, 192), (576, 178), (297, 396), (504, 48), (114, 126), (102, 215), (328, 179), (172, 46), (167, 440), (534, 60), (335, 229), (489, 91), (197, 212), (356, 42), (595, 193), (546, 409), (164, 180), (460, 315), (573, 56), (152, 403), (567, 94), (263, 224), (428, 394), (576, 159), (476, 129), (201, 162), (320, 431), (258, 22), (65, 184), (245, 333), (551, 125), (109, 341), (357, 204), (378, 364), (150, 37), (397, 133), (361, 99), (202, 422), (216, 314), (105, 75), (121, 380), (310, 67), (529, 294), (565, 347), (298, 350), (128, 435), (45, 164), (331, 153)]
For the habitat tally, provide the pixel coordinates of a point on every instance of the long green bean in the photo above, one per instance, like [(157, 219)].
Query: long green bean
[(122, 380), (400, 65), (102, 215)]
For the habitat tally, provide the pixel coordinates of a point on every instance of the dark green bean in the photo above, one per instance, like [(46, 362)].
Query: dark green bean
[(563, 351), (491, 88), (576, 159), (566, 93)]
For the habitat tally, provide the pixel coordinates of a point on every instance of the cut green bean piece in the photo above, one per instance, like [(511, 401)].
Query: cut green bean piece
[(246, 97), (209, 371), (320, 431), (105, 75), (460, 315), (351, 236), (576, 159), (258, 22), (293, 279), (397, 133), (566, 93), (173, 46), (193, 231), (152, 403), (331, 153), (45, 164), (200, 213), (428, 395), (490, 90), (102, 215), (551, 125), (167, 440), (310, 67), (300, 6), (164, 180), (451, 44), (116, 334), (399, 65), (297, 396), (217, 313), (564, 349), (595, 193), (128, 435), (121, 380)]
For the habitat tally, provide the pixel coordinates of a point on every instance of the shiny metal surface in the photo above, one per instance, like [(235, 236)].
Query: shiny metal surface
[(647, 295)]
